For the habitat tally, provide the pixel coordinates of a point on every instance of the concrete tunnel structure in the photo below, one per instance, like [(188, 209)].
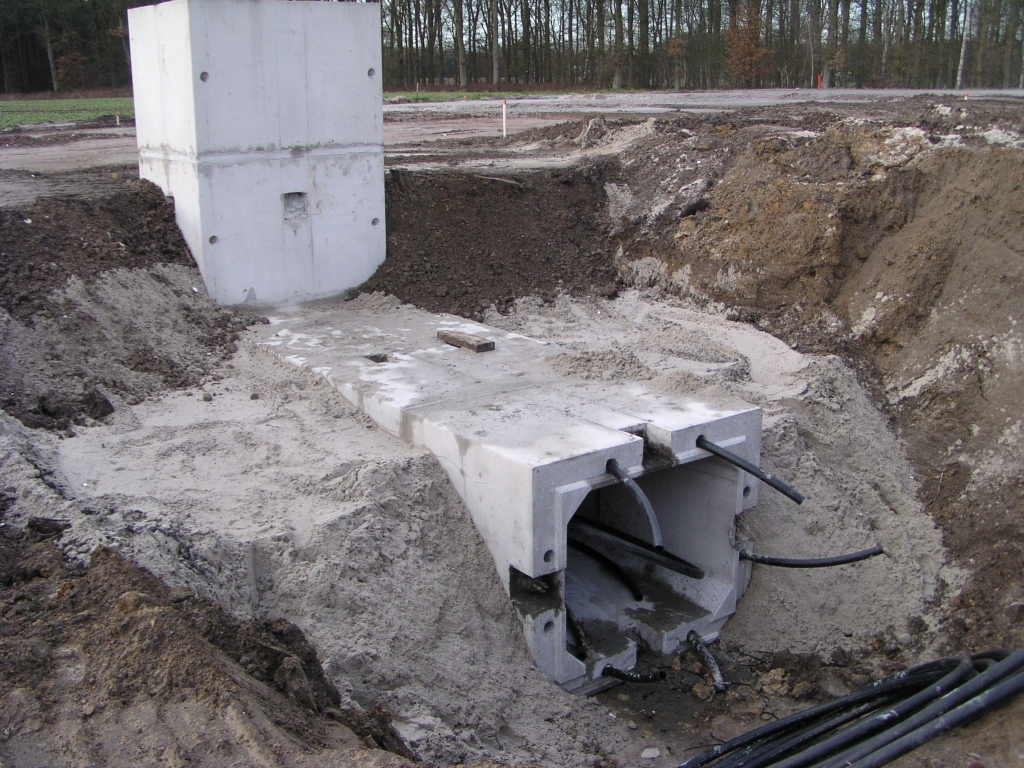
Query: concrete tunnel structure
[(263, 120), (528, 451)]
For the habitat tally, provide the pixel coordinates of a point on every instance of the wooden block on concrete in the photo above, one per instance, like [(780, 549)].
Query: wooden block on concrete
[(466, 340)]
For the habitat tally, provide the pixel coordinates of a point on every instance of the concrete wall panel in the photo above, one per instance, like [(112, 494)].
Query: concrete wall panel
[(161, 50)]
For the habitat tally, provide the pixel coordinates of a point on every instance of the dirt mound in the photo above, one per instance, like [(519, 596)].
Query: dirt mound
[(895, 243), (462, 243), (57, 238), (898, 246), (100, 302), (90, 652)]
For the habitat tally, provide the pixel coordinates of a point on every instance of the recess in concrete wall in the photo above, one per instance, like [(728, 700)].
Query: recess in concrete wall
[(263, 119)]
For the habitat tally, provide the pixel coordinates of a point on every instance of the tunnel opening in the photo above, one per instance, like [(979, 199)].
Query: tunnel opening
[(624, 594)]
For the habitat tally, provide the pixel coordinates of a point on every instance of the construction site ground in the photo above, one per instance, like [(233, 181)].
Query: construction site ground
[(208, 557)]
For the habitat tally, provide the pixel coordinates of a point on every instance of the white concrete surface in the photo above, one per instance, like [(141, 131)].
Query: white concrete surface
[(263, 119), (527, 448)]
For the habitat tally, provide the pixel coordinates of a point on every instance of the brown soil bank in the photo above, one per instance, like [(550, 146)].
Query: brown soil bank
[(459, 243), (76, 334), (900, 247), (91, 655)]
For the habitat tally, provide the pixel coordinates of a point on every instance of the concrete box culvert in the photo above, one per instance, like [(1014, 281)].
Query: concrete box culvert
[(528, 449)]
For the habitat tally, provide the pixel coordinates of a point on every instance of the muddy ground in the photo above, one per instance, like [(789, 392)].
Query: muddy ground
[(883, 240)]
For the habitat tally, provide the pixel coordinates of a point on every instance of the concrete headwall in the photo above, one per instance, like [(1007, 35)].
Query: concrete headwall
[(263, 119)]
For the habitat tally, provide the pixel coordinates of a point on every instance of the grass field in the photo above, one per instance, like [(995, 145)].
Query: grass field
[(33, 112), (448, 95)]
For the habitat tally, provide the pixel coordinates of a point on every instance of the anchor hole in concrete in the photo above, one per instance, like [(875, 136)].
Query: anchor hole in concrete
[(213, 239), (294, 206), (204, 76)]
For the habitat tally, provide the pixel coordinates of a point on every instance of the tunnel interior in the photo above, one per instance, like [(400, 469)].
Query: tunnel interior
[(621, 593)]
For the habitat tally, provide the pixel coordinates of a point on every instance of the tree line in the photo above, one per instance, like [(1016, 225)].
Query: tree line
[(68, 45), (699, 44)]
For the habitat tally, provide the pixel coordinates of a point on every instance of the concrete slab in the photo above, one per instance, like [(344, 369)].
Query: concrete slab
[(527, 449)]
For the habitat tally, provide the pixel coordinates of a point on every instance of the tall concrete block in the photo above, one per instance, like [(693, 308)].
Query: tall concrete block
[(263, 120)]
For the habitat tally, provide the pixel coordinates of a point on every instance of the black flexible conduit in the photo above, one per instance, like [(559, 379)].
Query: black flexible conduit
[(572, 621), (633, 677), (708, 660), (610, 564), (879, 721), (641, 497), (737, 461), (966, 711), (821, 562), (877, 724)]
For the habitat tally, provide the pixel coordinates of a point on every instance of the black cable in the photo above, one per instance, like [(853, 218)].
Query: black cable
[(885, 718), (882, 721), (1008, 666), (766, 753), (820, 562), (610, 564), (633, 677), (706, 445), (637, 547), (583, 646), (652, 518)]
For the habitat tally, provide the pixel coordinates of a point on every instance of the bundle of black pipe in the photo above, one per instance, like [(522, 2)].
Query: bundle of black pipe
[(877, 724)]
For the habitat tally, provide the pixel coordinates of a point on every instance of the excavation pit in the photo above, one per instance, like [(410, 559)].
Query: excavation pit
[(272, 525)]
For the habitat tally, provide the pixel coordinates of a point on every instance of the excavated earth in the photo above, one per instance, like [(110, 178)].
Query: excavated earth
[(208, 558)]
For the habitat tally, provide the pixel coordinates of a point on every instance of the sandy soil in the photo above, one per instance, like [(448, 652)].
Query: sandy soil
[(850, 266)]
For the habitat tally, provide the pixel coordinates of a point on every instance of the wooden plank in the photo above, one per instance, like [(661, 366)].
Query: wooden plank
[(466, 340)]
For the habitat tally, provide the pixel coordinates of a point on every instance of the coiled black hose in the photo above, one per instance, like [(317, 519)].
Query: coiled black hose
[(881, 722), (820, 562), (633, 677), (706, 445)]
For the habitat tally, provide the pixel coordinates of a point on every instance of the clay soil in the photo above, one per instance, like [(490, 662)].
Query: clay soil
[(889, 236)]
